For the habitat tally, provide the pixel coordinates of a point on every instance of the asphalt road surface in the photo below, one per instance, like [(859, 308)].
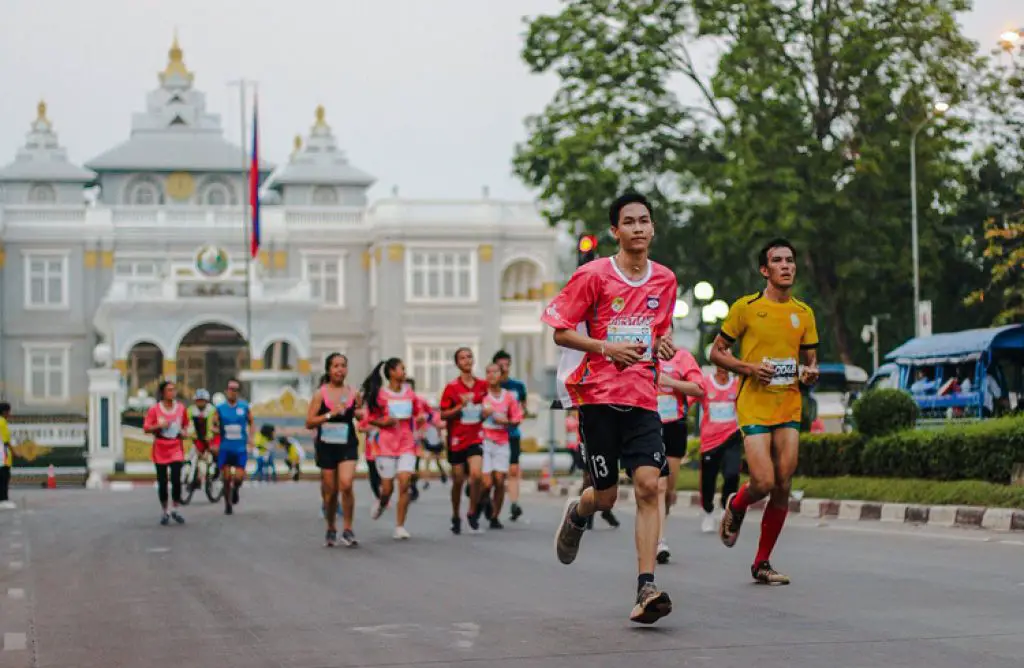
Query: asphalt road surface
[(90, 579)]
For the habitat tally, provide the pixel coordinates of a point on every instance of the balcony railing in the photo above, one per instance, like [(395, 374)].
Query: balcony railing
[(521, 317)]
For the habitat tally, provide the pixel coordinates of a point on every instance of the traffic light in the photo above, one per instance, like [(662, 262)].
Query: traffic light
[(586, 249)]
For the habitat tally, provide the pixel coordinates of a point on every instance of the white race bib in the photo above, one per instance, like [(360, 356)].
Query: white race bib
[(572, 437), (639, 335), (400, 409), (490, 422), (722, 411), (233, 432), (668, 407), (335, 433), (471, 414), (171, 431), (785, 371)]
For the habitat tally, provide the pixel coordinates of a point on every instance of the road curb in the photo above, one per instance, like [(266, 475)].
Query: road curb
[(996, 519)]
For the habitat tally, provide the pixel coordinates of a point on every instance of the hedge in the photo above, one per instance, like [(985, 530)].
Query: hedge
[(884, 411), (976, 451)]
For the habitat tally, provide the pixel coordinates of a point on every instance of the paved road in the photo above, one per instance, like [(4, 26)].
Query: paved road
[(104, 585)]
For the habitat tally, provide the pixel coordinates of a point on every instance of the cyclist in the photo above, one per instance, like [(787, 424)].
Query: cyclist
[(204, 438)]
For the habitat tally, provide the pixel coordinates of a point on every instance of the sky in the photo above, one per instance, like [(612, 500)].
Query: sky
[(429, 96)]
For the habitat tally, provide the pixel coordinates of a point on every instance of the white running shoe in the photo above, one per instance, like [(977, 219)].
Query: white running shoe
[(401, 534), (709, 524), (376, 511), (664, 554), (8, 505)]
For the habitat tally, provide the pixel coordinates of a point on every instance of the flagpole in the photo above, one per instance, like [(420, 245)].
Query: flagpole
[(241, 83)]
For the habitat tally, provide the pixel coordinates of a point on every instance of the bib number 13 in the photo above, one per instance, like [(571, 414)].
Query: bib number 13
[(600, 466)]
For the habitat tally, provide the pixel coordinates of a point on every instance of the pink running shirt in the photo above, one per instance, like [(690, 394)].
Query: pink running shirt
[(167, 443), (718, 412), (601, 302), (405, 406), (505, 405), (572, 430), (682, 366)]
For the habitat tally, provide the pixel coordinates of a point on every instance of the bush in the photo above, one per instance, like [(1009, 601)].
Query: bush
[(830, 454), (976, 451), (884, 411)]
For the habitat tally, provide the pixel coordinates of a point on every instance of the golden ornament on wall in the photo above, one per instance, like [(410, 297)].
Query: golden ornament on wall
[(180, 185), (31, 451)]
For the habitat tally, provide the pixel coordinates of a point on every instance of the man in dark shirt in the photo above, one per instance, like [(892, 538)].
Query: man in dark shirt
[(518, 388)]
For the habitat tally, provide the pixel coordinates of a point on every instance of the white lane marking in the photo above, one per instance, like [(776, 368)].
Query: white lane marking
[(386, 630), (16, 532), (121, 486), (16, 565), (18, 594), (15, 546), (1018, 543), (157, 550), (15, 642), (467, 633)]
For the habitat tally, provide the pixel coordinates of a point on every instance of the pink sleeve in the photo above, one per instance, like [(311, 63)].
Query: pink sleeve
[(668, 297), (515, 411), (150, 420), (571, 305), (184, 417), (420, 407), (693, 373)]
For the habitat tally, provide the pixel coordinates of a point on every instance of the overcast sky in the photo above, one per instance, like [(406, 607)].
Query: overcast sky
[(428, 95)]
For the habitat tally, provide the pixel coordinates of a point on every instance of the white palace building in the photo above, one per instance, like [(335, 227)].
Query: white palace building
[(151, 265)]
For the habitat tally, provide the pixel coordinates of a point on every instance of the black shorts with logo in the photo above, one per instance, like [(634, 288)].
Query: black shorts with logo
[(619, 435), (462, 456)]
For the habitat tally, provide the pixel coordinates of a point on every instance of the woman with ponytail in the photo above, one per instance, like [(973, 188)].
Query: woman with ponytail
[(395, 410), (332, 411)]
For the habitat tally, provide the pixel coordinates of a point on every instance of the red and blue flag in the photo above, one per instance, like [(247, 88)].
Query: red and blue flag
[(254, 180)]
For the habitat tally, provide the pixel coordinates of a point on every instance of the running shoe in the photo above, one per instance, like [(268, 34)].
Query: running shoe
[(474, 521), (401, 534), (708, 524), (488, 509), (765, 574), (377, 511), (609, 517), (348, 539), (515, 512), (176, 516), (664, 554), (732, 520), (229, 510), (496, 523), (165, 519), (330, 538), (651, 605), (569, 535), (456, 525)]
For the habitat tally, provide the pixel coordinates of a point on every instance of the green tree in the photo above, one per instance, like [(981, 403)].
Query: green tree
[(801, 129)]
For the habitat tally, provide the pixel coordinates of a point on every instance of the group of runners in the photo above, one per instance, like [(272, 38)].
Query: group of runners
[(625, 386)]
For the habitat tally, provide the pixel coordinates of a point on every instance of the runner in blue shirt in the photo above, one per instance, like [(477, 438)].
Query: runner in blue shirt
[(234, 422), (518, 388)]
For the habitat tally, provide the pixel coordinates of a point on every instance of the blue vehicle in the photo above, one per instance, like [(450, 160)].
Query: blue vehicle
[(976, 373)]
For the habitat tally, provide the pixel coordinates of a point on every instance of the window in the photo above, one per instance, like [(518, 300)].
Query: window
[(216, 194), (46, 373), (324, 273), (432, 365), (143, 193), (46, 281), (42, 193), (325, 196), (137, 268), (441, 275)]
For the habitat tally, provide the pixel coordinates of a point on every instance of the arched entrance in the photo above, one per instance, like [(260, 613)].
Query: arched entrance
[(210, 355), (143, 368), (280, 356)]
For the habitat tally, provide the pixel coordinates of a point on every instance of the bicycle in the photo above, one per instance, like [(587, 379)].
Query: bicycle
[(209, 475)]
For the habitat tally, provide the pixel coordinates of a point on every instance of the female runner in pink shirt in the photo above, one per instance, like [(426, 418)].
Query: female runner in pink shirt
[(395, 410), (721, 442), (501, 411), (167, 420)]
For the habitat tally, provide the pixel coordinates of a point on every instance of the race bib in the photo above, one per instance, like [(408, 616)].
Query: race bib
[(639, 335), (785, 371), (233, 432), (572, 437), (490, 422), (171, 431), (335, 433), (722, 411), (400, 409), (668, 407), (471, 414)]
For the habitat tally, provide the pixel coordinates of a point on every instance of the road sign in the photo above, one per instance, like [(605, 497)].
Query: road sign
[(924, 318)]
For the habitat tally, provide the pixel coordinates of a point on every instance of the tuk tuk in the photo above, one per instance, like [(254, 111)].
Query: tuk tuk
[(837, 383), (971, 374)]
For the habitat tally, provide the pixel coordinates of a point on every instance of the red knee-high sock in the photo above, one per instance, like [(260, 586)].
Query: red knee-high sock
[(771, 526), (742, 499)]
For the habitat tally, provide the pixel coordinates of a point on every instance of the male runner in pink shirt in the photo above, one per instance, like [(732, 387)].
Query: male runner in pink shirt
[(613, 316)]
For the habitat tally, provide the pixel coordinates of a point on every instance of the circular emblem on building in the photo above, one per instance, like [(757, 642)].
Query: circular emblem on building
[(211, 261), (180, 185)]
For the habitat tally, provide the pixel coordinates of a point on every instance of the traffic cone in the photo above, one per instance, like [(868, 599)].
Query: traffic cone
[(51, 478), (544, 484)]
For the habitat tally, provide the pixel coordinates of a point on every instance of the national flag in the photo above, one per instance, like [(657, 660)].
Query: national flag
[(254, 179)]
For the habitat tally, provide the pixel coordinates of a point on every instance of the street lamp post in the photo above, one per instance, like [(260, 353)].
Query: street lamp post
[(939, 109), (870, 335)]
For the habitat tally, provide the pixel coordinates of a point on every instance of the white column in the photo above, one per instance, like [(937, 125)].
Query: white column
[(106, 444)]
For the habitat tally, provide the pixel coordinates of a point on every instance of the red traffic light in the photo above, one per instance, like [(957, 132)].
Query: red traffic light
[(588, 242)]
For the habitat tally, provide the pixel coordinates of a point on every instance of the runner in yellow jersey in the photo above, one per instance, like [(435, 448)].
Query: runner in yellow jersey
[(775, 332)]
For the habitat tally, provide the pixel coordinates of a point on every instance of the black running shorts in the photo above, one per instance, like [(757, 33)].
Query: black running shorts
[(329, 455), (462, 456), (674, 435), (619, 435), (515, 449)]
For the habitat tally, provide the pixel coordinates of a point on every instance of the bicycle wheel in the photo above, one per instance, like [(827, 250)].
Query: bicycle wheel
[(187, 480), (214, 486)]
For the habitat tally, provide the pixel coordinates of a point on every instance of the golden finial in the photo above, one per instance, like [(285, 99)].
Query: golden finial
[(175, 61), (41, 111), (297, 144), (320, 115)]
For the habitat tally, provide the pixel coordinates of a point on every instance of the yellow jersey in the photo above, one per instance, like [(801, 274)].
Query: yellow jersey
[(775, 332), (6, 453)]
